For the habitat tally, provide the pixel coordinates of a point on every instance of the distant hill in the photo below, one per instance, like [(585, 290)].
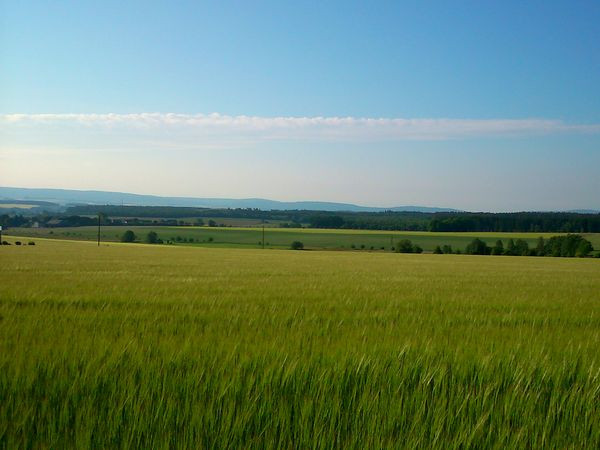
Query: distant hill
[(71, 197), (584, 211)]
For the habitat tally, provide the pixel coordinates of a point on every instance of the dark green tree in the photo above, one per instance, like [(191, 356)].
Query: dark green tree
[(437, 250), (498, 249), (297, 245), (510, 248), (404, 246), (477, 247), (128, 236), (152, 238), (521, 247), (540, 248), (584, 248)]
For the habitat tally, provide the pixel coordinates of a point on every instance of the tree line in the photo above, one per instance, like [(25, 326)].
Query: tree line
[(569, 246), (535, 222)]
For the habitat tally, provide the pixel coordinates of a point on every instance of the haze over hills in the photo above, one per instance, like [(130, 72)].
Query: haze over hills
[(69, 196)]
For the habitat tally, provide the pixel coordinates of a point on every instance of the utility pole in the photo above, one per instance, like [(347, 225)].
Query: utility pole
[(98, 229)]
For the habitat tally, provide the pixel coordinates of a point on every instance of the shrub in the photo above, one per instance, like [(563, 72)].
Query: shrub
[(31, 243), (477, 247), (447, 249), (568, 246), (297, 245), (17, 242), (404, 246), (521, 247), (152, 238), (498, 249), (128, 236), (417, 249), (437, 250)]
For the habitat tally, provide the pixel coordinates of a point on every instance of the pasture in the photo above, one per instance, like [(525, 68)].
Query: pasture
[(250, 237), (132, 345)]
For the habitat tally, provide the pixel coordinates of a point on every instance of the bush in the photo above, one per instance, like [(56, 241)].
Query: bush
[(447, 249), (404, 246), (128, 236), (477, 247), (297, 245), (17, 242), (5, 243), (498, 248), (31, 243), (568, 246), (152, 238), (437, 250), (521, 248), (417, 249)]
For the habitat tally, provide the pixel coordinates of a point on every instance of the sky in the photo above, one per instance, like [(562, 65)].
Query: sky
[(482, 106)]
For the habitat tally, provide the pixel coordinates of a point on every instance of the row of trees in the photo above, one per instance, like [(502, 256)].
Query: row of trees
[(150, 238), (516, 222), (571, 245), (406, 246), (386, 220)]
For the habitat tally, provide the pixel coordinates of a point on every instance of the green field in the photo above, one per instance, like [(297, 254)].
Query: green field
[(283, 237), (132, 345)]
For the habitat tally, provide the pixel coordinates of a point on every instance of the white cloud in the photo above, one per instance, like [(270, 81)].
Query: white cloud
[(215, 127)]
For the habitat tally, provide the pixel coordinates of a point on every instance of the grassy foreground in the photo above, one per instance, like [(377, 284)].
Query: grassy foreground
[(172, 347)]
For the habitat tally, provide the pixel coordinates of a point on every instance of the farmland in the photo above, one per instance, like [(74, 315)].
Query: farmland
[(133, 345), (282, 237)]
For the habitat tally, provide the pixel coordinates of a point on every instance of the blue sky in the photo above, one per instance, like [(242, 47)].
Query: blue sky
[(474, 105)]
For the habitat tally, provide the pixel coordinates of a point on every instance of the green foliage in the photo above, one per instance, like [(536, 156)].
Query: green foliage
[(540, 249), (521, 248), (152, 238), (404, 246), (511, 249), (128, 236), (437, 250), (498, 249), (447, 249), (477, 247), (297, 245), (568, 246)]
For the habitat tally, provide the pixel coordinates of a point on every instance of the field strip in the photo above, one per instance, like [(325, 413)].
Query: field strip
[(378, 232)]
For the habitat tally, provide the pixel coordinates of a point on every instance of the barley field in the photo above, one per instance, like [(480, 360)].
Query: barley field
[(139, 346)]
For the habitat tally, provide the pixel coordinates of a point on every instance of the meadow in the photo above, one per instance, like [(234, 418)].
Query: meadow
[(312, 238), (133, 345)]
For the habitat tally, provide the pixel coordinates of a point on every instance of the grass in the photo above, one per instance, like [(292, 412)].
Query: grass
[(283, 237), (172, 346)]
